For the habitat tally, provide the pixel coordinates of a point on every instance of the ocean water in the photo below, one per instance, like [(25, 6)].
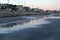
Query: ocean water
[(46, 28)]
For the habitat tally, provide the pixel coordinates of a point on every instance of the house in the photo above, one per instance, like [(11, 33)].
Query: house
[(27, 9), (3, 6), (7, 7), (20, 8), (35, 10)]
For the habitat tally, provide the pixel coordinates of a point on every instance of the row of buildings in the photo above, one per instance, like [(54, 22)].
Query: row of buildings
[(11, 7)]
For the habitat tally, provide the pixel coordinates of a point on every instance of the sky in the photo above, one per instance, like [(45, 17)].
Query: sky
[(42, 4)]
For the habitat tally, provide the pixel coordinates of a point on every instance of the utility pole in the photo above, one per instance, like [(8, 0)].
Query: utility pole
[(25, 3), (8, 1), (18, 2), (32, 4)]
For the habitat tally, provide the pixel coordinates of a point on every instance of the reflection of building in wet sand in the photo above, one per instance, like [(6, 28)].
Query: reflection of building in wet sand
[(14, 23)]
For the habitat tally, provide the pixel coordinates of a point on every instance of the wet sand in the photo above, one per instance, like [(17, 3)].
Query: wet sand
[(50, 31)]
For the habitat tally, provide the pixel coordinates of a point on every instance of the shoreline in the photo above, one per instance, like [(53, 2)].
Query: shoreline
[(15, 20)]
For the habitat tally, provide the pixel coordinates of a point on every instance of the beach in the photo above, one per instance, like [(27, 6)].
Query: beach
[(46, 28)]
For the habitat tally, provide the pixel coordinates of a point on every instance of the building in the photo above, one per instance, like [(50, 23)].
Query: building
[(6, 6), (11, 7), (35, 10), (27, 9), (41, 10), (3, 6), (20, 8)]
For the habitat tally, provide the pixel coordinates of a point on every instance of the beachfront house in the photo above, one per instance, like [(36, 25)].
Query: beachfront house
[(35, 9), (27, 9), (7, 7), (41, 10), (3, 6), (20, 8)]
